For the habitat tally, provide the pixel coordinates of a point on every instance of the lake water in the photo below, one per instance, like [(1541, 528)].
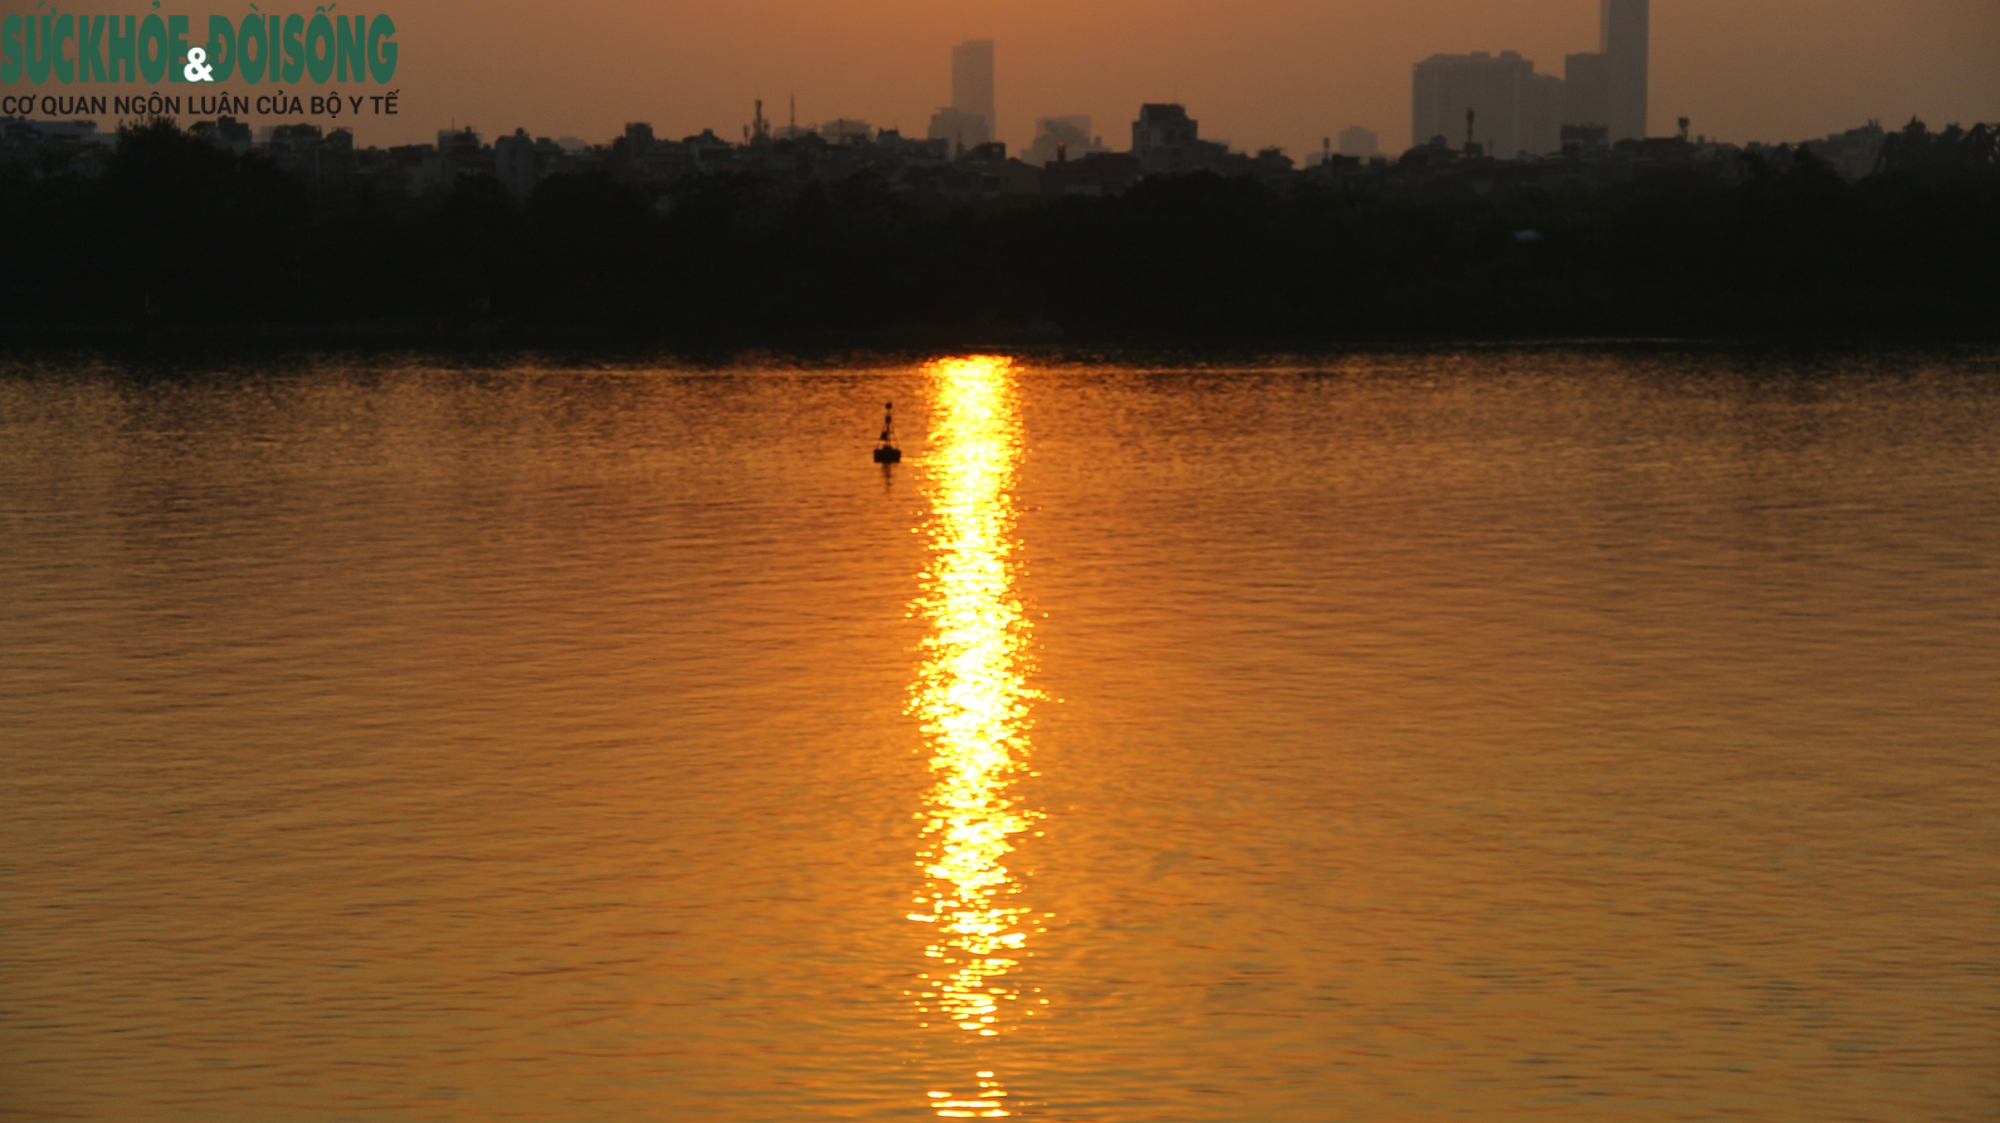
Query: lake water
[(1446, 735)]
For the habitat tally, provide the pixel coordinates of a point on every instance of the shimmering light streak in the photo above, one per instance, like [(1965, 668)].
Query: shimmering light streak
[(972, 696)]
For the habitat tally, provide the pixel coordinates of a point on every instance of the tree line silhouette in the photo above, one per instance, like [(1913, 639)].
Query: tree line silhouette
[(190, 237)]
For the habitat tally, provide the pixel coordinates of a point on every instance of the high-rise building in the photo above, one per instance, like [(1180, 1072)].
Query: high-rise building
[(972, 84), (1541, 132), (1514, 110), (1624, 39), (1587, 90)]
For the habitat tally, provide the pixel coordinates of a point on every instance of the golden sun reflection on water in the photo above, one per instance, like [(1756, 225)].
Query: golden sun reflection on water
[(972, 696)]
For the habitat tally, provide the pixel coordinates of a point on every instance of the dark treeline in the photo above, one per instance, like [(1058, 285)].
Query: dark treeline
[(180, 233)]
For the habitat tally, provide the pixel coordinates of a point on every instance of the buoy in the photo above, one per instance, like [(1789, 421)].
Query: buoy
[(887, 452)]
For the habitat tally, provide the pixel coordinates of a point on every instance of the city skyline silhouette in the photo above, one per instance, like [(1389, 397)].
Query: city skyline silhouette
[(1270, 72)]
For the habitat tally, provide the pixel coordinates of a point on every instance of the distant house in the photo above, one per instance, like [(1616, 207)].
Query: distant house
[(960, 129), (987, 172), (516, 164), (224, 132), (1162, 125), (1360, 142), (1061, 138), (1099, 173), (1586, 138), (708, 152), (1167, 141), (1853, 153), (846, 130)]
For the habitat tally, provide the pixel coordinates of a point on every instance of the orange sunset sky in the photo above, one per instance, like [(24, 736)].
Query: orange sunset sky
[(1254, 72)]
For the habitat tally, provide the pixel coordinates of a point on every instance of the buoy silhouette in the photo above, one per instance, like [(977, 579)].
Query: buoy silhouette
[(887, 452)]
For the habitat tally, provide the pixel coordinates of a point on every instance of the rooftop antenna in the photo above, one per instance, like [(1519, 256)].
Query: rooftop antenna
[(1684, 129)]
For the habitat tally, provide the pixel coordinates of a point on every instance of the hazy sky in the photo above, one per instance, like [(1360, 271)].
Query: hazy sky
[(1254, 72)]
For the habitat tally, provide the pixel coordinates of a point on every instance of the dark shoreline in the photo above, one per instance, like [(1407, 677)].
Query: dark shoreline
[(181, 245)]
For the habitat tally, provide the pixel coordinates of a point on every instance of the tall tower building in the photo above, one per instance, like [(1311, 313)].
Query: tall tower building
[(1623, 40), (972, 85)]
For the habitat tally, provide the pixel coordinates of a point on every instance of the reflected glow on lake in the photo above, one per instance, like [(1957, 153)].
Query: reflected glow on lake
[(972, 696)]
